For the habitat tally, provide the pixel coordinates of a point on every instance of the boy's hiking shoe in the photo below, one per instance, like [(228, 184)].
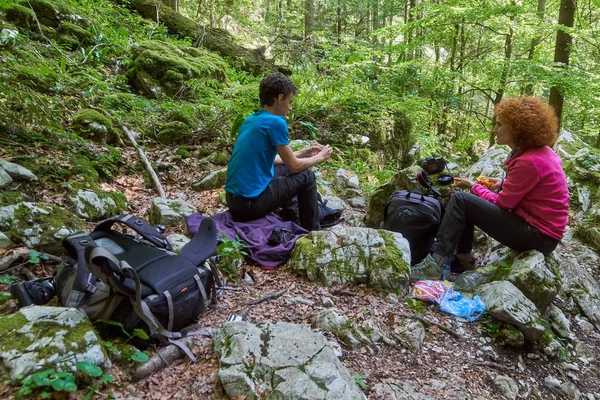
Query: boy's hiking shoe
[(426, 269), (463, 262)]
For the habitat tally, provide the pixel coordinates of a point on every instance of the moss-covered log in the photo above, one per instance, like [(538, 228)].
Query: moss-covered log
[(217, 40)]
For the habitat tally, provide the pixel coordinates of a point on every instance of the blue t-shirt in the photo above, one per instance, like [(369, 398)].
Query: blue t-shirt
[(250, 168)]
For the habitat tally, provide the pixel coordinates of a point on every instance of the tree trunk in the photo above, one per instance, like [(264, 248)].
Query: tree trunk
[(309, 18), (339, 22), (174, 4), (541, 10), (508, 47), (561, 52)]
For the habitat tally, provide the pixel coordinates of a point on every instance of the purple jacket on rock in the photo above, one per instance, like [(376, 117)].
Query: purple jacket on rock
[(535, 189)]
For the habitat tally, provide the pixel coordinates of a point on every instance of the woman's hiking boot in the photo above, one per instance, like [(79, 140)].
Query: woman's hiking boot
[(426, 269), (463, 262)]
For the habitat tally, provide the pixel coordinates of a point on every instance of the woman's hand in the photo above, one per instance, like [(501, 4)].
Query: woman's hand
[(495, 184), (462, 183)]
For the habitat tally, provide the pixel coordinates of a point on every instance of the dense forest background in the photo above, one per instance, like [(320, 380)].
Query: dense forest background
[(443, 63)]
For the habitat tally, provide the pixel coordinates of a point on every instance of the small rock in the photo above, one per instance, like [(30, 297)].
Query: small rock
[(507, 386), (357, 202), (327, 301), (248, 279), (178, 241), (533, 356), (298, 299)]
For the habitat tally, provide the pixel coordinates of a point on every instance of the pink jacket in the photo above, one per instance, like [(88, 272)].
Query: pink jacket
[(535, 189)]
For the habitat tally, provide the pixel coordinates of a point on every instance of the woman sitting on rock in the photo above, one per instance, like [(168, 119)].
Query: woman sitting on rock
[(526, 210)]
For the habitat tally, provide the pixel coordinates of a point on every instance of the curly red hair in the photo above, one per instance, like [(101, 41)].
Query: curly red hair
[(532, 122)]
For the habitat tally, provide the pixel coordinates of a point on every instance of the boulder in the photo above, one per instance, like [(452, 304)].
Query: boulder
[(560, 323), (213, 180), (5, 178), (175, 133), (568, 144), (348, 256), (280, 360), (345, 179), (506, 303), (534, 278), (490, 164), (5, 242), (161, 67), (37, 338), (177, 241), (39, 226), (91, 125), (170, 212), (15, 171), (95, 206)]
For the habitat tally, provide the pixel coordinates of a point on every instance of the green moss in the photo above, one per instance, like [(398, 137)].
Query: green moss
[(74, 36), (164, 66), (220, 158), (121, 101), (174, 133), (47, 13), (204, 151), (8, 197), (84, 170), (92, 125), (21, 16), (40, 79), (8, 332), (183, 116), (183, 152)]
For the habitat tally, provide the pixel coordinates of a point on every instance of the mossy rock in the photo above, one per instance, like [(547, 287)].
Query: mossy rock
[(39, 226), (220, 158), (181, 116), (162, 67), (97, 205), (123, 101), (8, 197), (20, 16), (213, 39), (41, 80), (92, 125), (175, 133), (47, 13), (74, 36)]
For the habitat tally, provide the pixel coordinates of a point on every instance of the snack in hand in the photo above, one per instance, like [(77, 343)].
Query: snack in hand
[(482, 180)]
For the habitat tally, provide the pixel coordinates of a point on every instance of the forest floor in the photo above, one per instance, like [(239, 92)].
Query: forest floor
[(447, 366)]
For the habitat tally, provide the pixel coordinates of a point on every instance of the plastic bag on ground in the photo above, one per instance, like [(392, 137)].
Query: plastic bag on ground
[(454, 303), (428, 290)]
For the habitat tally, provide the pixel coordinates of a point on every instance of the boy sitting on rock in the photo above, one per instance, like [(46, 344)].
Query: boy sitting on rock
[(252, 189)]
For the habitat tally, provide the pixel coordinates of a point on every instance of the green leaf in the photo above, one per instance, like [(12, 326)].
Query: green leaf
[(57, 384), (89, 368), (63, 65), (107, 378), (139, 356), (45, 395), (359, 381), (7, 279), (70, 387), (141, 334)]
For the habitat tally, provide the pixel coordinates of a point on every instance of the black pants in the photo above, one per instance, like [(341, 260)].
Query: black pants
[(466, 210), (282, 190)]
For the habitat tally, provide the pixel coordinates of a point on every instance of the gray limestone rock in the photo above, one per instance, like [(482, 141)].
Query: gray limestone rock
[(178, 241), (40, 226), (533, 278), (357, 202), (94, 206), (490, 164), (506, 386), (280, 360), (560, 323), (213, 180), (345, 179), (506, 303), (5, 242), (354, 255), (5, 179), (170, 212), (49, 337), (565, 389), (15, 171)]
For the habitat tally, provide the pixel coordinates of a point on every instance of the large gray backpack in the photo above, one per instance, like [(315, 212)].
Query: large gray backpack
[(138, 281)]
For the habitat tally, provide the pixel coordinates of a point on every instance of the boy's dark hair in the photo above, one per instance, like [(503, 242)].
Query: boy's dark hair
[(272, 86)]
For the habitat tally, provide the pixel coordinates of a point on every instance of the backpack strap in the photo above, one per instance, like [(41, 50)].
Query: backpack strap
[(112, 271), (144, 229), (76, 245)]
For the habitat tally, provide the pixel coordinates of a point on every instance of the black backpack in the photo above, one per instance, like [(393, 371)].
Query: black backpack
[(138, 281), (416, 217)]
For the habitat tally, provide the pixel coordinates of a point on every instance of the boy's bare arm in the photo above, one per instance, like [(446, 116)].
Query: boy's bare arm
[(296, 164)]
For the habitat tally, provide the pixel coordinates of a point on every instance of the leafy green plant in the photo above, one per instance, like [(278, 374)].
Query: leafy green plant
[(230, 254), (491, 326), (416, 305), (46, 381), (7, 279), (36, 257), (359, 381)]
